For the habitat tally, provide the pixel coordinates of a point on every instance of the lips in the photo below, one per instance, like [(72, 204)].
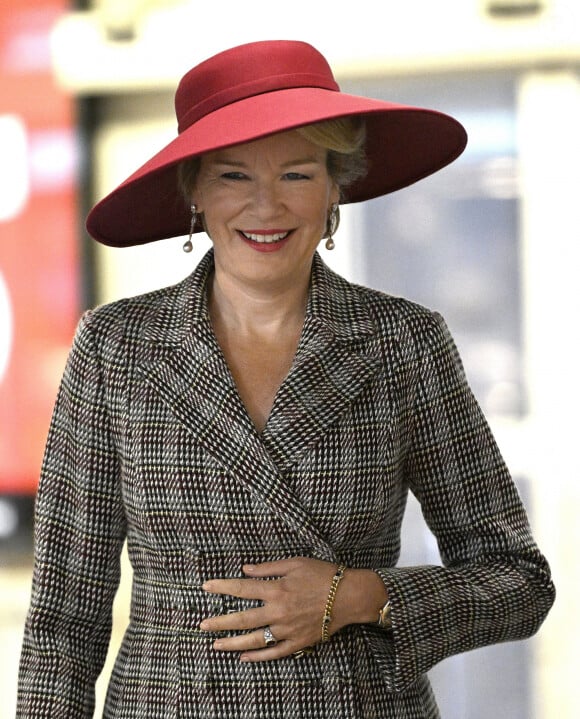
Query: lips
[(265, 238)]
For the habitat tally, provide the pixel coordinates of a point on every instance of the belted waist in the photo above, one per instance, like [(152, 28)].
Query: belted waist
[(174, 607)]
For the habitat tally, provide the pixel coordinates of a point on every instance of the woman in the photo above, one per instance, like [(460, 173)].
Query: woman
[(253, 433)]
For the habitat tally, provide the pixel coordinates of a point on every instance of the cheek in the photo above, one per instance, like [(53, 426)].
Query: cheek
[(220, 219), (208, 195), (215, 208), (200, 199), (211, 225), (312, 204), (323, 219)]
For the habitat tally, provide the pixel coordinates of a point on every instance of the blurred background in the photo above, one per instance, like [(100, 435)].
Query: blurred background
[(492, 242)]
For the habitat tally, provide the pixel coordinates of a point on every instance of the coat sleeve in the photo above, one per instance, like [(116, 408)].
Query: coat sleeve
[(494, 585), (79, 532)]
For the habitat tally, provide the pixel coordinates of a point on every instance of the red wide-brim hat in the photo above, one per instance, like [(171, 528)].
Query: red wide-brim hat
[(258, 89)]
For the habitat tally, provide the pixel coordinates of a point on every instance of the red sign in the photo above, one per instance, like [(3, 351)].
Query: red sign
[(39, 302)]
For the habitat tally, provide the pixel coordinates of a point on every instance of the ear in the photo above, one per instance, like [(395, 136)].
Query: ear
[(196, 200), (334, 195)]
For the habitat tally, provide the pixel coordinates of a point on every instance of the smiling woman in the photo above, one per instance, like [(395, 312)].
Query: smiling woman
[(265, 420), (272, 197)]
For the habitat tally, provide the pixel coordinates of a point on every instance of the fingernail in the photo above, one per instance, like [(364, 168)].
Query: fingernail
[(218, 644), (206, 586), (203, 626), (249, 567), (244, 658)]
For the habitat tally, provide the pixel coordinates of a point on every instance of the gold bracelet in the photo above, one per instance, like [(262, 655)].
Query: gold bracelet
[(327, 618)]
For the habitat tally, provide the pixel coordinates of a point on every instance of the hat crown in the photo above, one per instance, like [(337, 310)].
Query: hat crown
[(249, 70)]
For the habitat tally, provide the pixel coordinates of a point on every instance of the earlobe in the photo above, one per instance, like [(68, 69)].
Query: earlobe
[(194, 199)]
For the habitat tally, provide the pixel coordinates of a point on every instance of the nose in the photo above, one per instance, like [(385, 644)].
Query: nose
[(267, 200)]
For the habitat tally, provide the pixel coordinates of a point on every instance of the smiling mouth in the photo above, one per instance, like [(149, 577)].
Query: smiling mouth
[(265, 239)]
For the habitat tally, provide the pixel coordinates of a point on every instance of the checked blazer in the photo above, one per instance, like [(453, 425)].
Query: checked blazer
[(150, 442)]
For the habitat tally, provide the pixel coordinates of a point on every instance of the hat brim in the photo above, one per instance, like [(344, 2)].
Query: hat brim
[(404, 144)]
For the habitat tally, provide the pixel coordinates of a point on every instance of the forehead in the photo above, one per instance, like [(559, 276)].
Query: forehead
[(282, 147)]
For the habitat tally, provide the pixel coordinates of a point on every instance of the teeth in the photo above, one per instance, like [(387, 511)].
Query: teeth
[(265, 239)]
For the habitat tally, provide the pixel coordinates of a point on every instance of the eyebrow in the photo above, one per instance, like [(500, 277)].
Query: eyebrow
[(302, 161), (290, 163)]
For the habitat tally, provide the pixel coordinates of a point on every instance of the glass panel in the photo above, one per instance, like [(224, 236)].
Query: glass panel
[(451, 241)]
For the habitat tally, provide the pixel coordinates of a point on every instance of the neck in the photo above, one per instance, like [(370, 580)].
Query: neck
[(257, 309)]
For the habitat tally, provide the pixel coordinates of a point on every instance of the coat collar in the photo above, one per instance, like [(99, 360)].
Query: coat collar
[(333, 304), (336, 358)]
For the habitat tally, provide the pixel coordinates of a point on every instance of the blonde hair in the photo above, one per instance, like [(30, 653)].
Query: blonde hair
[(344, 139)]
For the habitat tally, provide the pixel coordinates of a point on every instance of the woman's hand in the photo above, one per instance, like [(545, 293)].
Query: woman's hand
[(293, 605)]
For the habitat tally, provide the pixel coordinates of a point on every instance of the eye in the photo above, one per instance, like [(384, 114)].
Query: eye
[(295, 176), (234, 175)]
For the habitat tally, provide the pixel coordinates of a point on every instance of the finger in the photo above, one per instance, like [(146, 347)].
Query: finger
[(283, 649), (235, 621), (242, 642), (279, 568), (264, 655), (243, 588)]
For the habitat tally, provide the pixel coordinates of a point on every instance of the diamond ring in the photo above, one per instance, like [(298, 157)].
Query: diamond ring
[(269, 638)]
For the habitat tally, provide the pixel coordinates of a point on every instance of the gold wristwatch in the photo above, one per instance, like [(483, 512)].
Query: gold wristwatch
[(384, 620)]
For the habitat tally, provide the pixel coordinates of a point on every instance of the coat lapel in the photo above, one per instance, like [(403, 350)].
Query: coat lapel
[(336, 359), (334, 362)]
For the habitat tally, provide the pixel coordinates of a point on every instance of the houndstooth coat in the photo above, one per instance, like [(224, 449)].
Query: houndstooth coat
[(150, 441)]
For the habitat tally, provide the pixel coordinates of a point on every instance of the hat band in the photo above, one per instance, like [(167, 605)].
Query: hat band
[(250, 89)]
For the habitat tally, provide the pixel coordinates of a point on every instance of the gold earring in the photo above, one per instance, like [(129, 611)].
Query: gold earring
[(332, 225), (188, 245)]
